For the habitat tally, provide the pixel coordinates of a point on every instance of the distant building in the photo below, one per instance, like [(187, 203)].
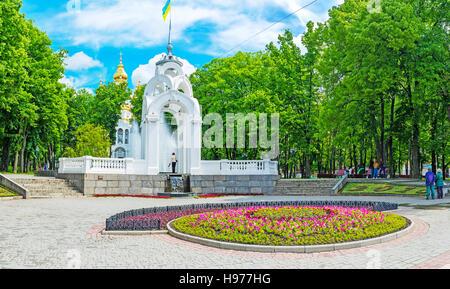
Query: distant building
[(126, 126)]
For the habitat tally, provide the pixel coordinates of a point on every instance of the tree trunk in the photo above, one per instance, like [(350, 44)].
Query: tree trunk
[(319, 158), (444, 168), (16, 154), (6, 154), (333, 160), (433, 146), (16, 161), (391, 140), (415, 153), (307, 174), (22, 150), (380, 154)]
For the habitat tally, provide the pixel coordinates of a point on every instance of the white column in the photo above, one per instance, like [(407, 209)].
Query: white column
[(196, 145), (152, 145)]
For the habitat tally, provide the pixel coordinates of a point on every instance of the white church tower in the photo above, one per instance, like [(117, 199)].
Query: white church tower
[(123, 147)]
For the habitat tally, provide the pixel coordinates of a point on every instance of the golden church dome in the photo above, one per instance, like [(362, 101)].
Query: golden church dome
[(120, 76)]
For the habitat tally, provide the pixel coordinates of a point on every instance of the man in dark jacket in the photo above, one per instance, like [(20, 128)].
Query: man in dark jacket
[(429, 183)]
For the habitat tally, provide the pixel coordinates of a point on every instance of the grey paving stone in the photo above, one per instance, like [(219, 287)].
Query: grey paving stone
[(50, 233)]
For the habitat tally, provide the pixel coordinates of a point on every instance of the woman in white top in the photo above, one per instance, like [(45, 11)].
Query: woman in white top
[(174, 163)]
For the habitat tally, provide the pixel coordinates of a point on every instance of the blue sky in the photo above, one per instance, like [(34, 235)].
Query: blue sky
[(96, 31)]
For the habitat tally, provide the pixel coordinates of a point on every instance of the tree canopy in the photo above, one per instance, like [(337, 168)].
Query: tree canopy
[(371, 83)]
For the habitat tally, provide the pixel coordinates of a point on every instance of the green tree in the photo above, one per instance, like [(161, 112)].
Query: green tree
[(91, 141), (107, 105), (13, 99), (136, 103), (78, 113)]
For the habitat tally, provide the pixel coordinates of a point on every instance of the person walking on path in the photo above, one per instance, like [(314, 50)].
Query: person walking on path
[(440, 184), (382, 169), (375, 169), (429, 183)]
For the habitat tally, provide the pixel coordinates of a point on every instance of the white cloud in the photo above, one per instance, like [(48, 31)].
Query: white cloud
[(298, 42), (77, 82), (81, 61), (139, 23), (145, 72), (68, 81)]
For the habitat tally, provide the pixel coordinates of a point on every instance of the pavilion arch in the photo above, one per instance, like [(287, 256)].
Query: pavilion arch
[(162, 83), (182, 83), (186, 111), (171, 69)]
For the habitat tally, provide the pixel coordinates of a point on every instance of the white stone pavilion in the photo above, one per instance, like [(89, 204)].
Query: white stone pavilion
[(148, 152)]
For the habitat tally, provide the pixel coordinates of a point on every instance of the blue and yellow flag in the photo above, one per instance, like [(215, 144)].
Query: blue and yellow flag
[(166, 10)]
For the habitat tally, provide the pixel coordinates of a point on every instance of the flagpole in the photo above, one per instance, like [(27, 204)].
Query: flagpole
[(168, 10), (170, 31)]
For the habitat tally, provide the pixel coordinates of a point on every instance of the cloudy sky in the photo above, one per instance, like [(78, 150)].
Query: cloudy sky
[(96, 31)]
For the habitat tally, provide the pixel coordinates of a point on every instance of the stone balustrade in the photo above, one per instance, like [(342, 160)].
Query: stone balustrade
[(239, 167), (90, 165)]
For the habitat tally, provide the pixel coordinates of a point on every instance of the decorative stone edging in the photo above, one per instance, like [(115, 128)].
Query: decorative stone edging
[(288, 249), (133, 233), (116, 223), (380, 195)]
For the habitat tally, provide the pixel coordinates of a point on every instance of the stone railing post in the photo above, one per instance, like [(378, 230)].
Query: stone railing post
[(87, 164), (129, 166), (61, 165), (342, 182), (224, 167)]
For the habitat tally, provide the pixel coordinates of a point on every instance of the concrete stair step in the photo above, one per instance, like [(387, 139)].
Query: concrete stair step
[(304, 194), (53, 196), (174, 195), (309, 186), (305, 187), (52, 188), (51, 191), (311, 190), (327, 192), (47, 187), (40, 182), (52, 184)]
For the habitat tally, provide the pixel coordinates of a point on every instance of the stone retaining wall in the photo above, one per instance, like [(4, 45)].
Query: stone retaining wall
[(95, 184), (255, 184)]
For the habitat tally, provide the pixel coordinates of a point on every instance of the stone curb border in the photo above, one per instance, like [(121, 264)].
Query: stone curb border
[(11, 198), (132, 233), (288, 249), (381, 195)]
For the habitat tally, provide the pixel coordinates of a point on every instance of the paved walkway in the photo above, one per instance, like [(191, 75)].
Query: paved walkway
[(63, 233)]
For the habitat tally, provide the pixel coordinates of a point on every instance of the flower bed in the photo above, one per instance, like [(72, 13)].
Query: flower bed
[(290, 226), (156, 218), (383, 189), (207, 196), (130, 196)]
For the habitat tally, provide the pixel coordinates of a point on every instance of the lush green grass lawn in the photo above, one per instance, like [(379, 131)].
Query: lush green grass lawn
[(4, 192), (383, 188), (11, 173)]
